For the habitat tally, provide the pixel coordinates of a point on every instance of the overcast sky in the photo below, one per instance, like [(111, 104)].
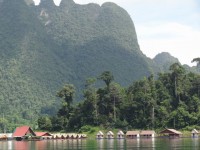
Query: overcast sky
[(163, 25)]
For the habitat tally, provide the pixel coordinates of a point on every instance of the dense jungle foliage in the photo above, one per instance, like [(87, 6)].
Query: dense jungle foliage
[(170, 101), (42, 47)]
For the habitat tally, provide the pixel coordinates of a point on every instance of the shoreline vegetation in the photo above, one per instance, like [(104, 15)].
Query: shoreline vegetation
[(169, 100), (61, 70)]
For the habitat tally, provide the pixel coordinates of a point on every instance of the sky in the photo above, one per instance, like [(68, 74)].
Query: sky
[(163, 26)]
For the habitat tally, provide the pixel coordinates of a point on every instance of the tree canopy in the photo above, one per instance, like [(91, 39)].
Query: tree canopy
[(169, 101)]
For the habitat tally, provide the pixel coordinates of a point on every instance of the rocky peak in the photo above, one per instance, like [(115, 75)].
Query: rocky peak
[(165, 57), (66, 3), (47, 3)]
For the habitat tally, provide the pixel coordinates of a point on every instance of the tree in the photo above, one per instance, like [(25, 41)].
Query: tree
[(197, 84), (177, 71), (3, 124), (116, 97), (90, 82), (180, 117), (67, 93), (142, 110), (153, 97), (107, 77), (89, 106), (197, 60), (57, 123), (44, 123)]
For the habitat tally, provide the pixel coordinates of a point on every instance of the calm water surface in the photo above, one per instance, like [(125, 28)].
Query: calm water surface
[(88, 144)]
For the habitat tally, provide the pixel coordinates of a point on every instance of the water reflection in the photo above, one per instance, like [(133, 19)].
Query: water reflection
[(100, 143), (175, 143), (3, 145), (40, 145), (10, 145), (67, 144), (141, 143), (21, 145), (147, 143), (195, 142), (133, 143), (110, 143), (121, 144)]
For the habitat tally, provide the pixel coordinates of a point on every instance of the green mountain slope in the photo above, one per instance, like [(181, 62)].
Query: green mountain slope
[(103, 35), (26, 57), (43, 47)]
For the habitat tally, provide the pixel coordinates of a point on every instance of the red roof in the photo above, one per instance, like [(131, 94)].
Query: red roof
[(42, 134), (22, 131)]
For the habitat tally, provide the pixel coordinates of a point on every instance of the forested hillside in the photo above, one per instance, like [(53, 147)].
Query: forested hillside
[(93, 39), (46, 46), (27, 56), (170, 101)]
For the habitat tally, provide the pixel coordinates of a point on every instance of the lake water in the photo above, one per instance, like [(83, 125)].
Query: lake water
[(88, 144)]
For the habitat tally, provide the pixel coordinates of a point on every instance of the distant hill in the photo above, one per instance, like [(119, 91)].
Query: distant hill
[(165, 60), (43, 47)]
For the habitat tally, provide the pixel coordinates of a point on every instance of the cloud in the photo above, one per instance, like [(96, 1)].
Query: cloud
[(57, 2), (179, 40)]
